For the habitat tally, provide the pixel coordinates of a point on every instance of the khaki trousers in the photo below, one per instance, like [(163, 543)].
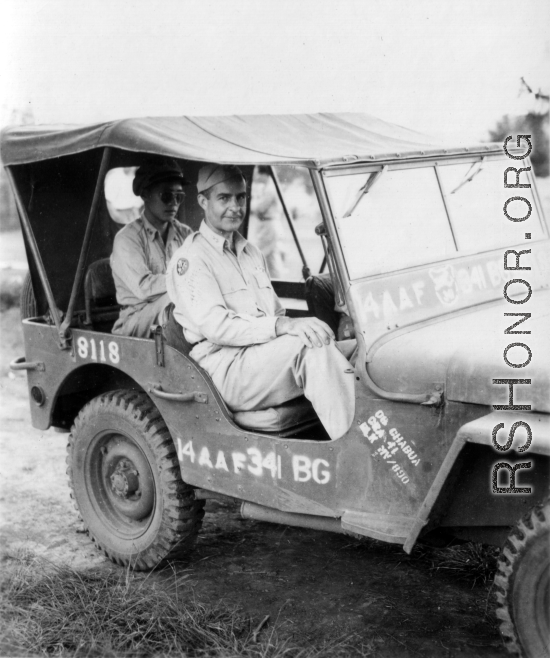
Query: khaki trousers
[(138, 322), (267, 375)]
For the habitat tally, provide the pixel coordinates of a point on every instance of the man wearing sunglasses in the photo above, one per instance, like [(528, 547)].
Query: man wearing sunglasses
[(143, 248)]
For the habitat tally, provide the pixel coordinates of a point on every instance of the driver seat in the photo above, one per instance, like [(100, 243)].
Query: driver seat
[(286, 420)]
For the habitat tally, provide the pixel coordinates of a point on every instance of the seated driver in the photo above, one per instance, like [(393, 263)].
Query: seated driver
[(143, 248), (223, 297)]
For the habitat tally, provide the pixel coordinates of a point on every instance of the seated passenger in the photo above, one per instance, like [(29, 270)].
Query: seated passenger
[(223, 297), (142, 249)]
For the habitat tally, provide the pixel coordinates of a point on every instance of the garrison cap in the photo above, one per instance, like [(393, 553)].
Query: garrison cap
[(156, 170), (212, 174)]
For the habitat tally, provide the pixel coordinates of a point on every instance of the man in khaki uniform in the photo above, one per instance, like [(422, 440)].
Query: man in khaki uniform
[(142, 249), (224, 300)]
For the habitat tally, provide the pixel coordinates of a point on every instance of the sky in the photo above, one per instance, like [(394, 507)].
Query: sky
[(446, 67)]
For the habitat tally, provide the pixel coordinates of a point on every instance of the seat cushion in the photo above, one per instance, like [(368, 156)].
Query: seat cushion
[(277, 419), (100, 284)]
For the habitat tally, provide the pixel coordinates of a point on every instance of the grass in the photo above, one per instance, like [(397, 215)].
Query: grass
[(57, 611), (469, 562)]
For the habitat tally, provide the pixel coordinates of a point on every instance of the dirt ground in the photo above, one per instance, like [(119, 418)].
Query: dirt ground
[(313, 585)]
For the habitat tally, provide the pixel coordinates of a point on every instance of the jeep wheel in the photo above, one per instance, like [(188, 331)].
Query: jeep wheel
[(523, 585), (125, 479)]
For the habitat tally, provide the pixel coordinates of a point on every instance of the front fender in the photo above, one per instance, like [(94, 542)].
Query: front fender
[(480, 432)]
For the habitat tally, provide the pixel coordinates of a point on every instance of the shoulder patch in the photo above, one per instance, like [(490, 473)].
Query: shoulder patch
[(182, 266)]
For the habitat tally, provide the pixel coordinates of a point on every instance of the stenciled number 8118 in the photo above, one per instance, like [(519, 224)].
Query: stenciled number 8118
[(88, 349)]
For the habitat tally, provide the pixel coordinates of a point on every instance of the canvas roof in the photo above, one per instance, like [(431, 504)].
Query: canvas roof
[(310, 139)]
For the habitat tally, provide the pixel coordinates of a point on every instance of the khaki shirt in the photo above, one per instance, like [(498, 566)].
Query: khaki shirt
[(220, 297), (139, 262), (140, 257)]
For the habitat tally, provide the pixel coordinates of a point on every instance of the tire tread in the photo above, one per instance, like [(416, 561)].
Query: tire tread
[(517, 542), (182, 514)]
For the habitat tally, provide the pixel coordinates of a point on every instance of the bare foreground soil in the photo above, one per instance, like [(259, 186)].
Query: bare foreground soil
[(313, 585)]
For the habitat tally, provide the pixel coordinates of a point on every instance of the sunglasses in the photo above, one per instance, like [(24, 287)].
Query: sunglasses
[(171, 197)]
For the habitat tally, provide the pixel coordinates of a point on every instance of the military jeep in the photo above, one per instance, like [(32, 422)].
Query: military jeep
[(435, 265)]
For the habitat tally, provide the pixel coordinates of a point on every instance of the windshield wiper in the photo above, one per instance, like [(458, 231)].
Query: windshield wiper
[(371, 180), (468, 179)]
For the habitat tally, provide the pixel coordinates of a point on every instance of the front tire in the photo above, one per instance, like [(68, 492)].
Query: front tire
[(523, 585), (125, 479)]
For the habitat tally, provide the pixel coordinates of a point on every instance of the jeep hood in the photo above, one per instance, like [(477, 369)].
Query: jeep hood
[(464, 353)]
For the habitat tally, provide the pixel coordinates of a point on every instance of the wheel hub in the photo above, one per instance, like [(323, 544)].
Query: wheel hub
[(125, 479), (128, 481)]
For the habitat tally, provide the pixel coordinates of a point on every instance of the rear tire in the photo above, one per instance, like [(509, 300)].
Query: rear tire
[(523, 585), (125, 480)]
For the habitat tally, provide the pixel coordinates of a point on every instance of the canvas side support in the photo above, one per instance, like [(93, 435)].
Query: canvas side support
[(305, 269), (24, 217), (82, 261)]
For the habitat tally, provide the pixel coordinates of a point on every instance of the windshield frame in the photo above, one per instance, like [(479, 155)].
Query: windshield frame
[(435, 163)]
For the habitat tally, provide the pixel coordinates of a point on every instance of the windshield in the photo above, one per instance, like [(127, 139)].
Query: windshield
[(476, 206), (402, 221)]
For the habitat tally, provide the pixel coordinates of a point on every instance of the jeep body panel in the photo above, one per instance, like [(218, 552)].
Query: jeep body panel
[(391, 302), (377, 489), (465, 354)]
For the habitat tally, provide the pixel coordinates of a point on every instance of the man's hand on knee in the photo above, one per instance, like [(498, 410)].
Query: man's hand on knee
[(312, 331)]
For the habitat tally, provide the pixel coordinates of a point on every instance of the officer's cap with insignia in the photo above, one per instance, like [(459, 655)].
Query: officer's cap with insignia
[(157, 170), (212, 174)]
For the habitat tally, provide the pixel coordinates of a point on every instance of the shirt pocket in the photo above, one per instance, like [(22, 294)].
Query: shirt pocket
[(262, 279), (236, 296), (156, 267), (156, 261), (231, 286)]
